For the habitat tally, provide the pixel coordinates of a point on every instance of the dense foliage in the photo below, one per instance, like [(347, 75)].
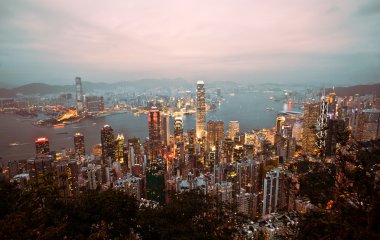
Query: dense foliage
[(347, 193), (40, 213)]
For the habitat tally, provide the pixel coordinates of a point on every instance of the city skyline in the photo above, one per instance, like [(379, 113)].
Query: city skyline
[(247, 41)]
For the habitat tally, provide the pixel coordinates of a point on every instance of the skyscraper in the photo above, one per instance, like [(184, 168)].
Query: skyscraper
[(154, 125), (215, 133), (310, 118), (165, 130), (107, 140), (201, 110), (233, 128), (79, 146), (178, 130), (119, 148), (42, 146), (79, 95)]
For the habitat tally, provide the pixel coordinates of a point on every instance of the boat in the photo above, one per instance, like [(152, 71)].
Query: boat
[(268, 109), (15, 144), (271, 98)]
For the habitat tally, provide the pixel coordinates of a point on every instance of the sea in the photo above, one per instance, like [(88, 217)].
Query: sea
[(250, 109)]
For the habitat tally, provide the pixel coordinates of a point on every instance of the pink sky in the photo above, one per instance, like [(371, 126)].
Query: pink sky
[(215, 40)]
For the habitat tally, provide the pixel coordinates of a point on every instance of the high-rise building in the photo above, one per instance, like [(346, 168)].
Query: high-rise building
[(280, 120), (79, 146), (107, 140), (42, 146), (270, 192), (367, 125), (119, 148), (201, 110), (154, 125), (215, 133), (79, 95), (178, 130), (310, 118), (233, 128), (335, 132), (165, 130), (94, 103)]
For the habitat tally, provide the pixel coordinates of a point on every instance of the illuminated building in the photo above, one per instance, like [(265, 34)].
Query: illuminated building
[(154, 125), (119, 148), (79, 146), (201, 110), (42, 146), (311, 114), (249, 176), (270, 192), (297, 130), (215, 133), (79, 95), (322, 124), (97, 150), (165, 130), (228, 147), (191, 148), (94, 103), (178, 130), (233, 128), (280, 120), (107, 140)]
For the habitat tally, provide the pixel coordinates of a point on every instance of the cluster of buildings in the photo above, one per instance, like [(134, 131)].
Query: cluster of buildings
[(248, 169)]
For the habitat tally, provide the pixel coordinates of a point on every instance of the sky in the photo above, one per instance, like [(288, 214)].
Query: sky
[(292, 41)]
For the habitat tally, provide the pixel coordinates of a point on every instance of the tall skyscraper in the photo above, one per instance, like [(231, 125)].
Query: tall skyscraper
[(215, 133), (335, 132), (270, 191), (79, 146), (165, 130), (79, 95), (154, 125), (233, 128), (201, 110), (310, 118), (178, 130), (42, 146), (107, 140), (119, 148)]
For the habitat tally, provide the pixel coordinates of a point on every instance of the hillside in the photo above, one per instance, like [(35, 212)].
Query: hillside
[(357, 89)]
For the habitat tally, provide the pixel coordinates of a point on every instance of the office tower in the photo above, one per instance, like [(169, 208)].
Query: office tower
[(178, 130), (228, 147), (215, 133), (119, 148), (42, 146), (249, 176), (79, 148), (191, 148), (297, 130), (79, 95), (107, 140), (233, 128), (94, 103), (270, 192), (154, 125), (332, 101), (310, 118), (165, 130), (322, 124), (201, 110), (280, 120), (97, 151), (335, 131), (367, 125)]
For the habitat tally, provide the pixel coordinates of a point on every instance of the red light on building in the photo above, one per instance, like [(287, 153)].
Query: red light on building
[(41, 140)]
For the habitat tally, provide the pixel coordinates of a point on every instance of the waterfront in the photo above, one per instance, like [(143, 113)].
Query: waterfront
[(248, 108)]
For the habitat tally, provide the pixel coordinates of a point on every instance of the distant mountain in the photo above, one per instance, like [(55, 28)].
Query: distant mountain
[(357, 89), (156, 84)]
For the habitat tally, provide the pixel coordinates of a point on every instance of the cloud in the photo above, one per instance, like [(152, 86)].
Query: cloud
[(210, 39)]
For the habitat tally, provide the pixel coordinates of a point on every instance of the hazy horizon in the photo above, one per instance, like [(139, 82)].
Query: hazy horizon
[(333, 42)]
